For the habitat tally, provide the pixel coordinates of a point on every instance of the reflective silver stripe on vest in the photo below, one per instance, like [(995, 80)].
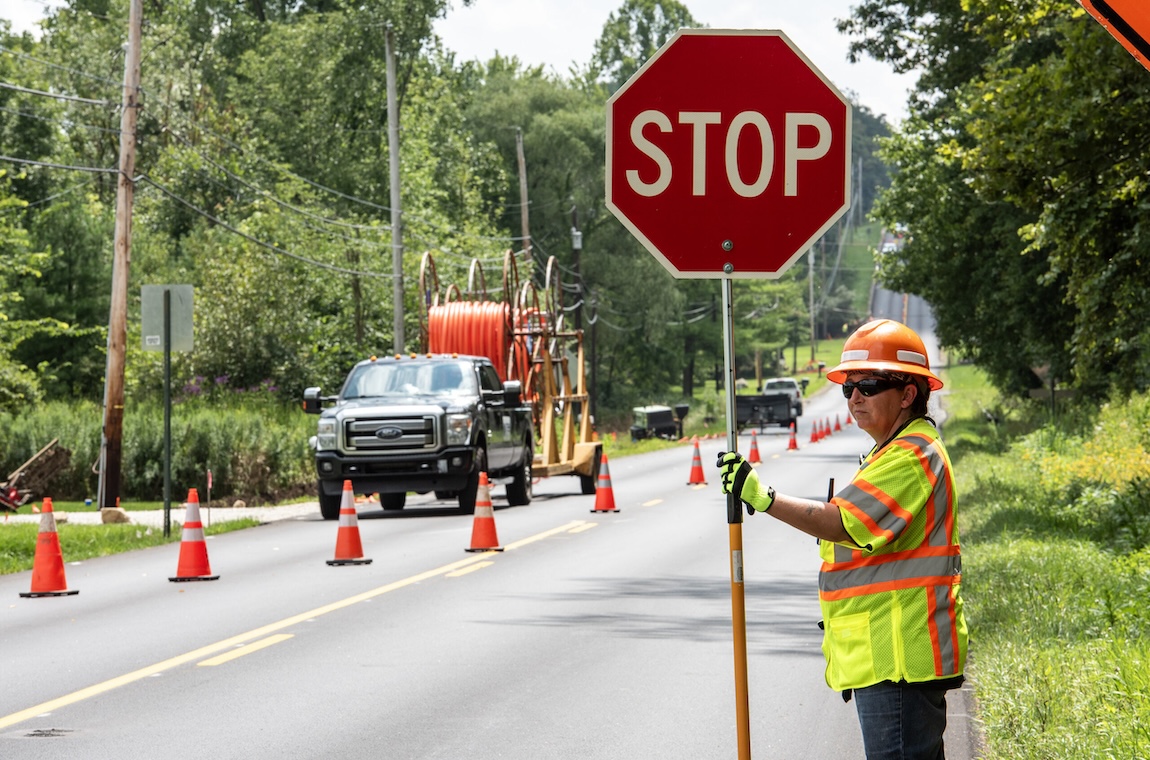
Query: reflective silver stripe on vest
[(937, 534), (887, 520), (831, 580), (942, 623)]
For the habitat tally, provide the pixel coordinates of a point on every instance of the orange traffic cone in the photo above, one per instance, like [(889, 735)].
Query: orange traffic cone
[(348, 548), (792, 445), (753, 456), (604, 493), (697, 475), (815, 432), (48, 564), (193, 564), (483, 538), (838, 427), (849, 421)]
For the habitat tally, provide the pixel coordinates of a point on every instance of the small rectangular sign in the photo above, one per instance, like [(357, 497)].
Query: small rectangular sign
[(152, 316)]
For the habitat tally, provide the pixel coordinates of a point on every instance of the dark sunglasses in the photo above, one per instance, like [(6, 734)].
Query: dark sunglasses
[(869, 386)]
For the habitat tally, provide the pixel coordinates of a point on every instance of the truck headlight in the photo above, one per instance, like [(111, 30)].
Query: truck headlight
[(458, 429), (325, 435)]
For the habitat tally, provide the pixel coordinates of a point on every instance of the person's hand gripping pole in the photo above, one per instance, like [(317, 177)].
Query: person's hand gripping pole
[(740, 480)]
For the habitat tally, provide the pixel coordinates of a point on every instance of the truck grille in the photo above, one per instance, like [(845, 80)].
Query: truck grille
[(391, 435)]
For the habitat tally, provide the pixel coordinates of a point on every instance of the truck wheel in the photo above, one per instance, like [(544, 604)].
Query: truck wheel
[(471, 490), (392, 501), (329, 505), (519, 489)]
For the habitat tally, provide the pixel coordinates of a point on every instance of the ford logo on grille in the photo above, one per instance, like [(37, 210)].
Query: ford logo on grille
[(388, 433)]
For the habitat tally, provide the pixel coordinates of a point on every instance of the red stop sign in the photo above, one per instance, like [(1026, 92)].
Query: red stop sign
[(728, 154)]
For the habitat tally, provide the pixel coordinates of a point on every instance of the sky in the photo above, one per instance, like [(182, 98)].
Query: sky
[(560, 33)]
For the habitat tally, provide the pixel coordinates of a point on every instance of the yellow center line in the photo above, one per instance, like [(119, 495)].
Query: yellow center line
[(569, 527), (466, 570), (221, 646), (651, 503), (584, 526), (241, 651)]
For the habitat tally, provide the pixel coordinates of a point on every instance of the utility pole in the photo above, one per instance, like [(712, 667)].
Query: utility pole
[(112, 435), (396, 215), (523, 193), (811, 298)]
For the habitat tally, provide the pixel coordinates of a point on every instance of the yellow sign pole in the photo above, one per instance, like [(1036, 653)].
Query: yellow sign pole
[(735, 528)]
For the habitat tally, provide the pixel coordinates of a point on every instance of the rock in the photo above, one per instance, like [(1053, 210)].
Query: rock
[(239, 504), (110, 515)]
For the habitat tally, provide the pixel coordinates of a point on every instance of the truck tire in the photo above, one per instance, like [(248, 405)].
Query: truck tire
[(392, 501), (329, 505), (519, 490), (471, 490)]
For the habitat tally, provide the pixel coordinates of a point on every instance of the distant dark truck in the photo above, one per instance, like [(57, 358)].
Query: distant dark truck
[(422, 423), (764, 409)]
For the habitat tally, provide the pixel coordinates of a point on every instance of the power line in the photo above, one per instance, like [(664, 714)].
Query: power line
[(40, 117), (49, 64), (354, 199), (50, 165), (274, 199), (50, 198), (261, 243), (71, 98)]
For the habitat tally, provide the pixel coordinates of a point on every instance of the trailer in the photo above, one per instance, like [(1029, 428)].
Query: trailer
[(524, 333)]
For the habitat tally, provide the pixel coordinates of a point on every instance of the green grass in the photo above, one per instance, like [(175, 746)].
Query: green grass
[(1055, 528), (81, 542)]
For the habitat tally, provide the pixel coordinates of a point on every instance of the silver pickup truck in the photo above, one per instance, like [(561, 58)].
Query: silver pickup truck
[(422, 423)]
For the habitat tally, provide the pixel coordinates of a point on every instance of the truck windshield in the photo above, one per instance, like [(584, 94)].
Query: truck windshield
[(411, 379)]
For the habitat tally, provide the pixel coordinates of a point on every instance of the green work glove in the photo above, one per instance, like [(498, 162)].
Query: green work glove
[(740, 479)]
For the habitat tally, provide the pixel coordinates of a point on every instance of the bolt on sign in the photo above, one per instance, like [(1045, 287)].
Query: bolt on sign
[(728, 154)]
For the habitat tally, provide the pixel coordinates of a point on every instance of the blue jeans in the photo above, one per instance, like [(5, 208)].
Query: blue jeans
[(902, 722)]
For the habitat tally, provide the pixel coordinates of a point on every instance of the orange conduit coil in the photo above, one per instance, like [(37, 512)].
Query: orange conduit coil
[(478, 328)]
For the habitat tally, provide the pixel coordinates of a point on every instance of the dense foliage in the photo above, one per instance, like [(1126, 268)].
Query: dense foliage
[(263, 181), (1055, 523), (1022, 177)]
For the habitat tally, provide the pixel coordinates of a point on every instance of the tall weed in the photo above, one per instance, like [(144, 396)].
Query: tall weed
[(1056, 552), (1086, 700), (255, 447)]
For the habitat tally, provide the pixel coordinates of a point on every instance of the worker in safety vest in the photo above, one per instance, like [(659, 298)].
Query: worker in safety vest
[(894, 632)]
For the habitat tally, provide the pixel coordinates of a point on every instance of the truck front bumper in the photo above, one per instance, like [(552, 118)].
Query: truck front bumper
[(449, 470)]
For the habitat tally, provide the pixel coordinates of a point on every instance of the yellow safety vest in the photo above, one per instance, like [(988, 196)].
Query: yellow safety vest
[(890, 601)]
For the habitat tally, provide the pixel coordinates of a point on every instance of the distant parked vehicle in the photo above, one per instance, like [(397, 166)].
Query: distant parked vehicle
[(791, 387), (656, 421)]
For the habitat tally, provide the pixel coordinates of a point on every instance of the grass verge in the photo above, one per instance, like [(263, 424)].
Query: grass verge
[(1056, 566), (81, 542)]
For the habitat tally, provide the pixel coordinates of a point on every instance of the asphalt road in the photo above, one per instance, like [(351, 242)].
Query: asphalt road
[(592, 635)]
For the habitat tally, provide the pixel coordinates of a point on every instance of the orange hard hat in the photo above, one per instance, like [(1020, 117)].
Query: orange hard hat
[(884, 345)]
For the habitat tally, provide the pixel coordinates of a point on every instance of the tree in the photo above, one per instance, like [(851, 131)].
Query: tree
[(632, 34), (1019, 172)]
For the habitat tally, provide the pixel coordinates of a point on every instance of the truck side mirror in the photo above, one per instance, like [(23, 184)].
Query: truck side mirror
[(311, 401), (512, 393)]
